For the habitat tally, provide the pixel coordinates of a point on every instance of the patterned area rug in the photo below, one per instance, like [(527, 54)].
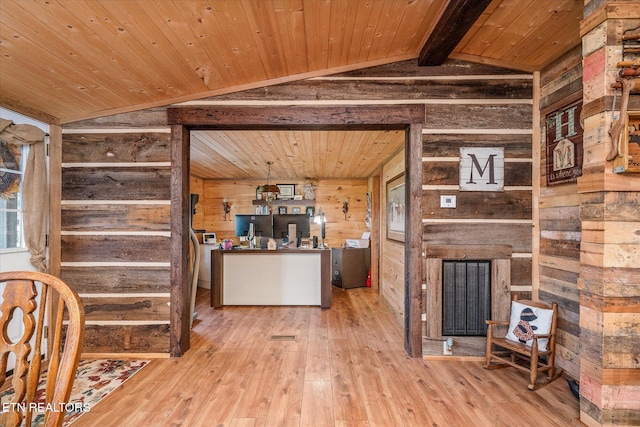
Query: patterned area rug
[(95, 380)]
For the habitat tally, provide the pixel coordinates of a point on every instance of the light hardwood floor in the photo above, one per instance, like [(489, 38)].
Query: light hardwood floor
[(346, 367)]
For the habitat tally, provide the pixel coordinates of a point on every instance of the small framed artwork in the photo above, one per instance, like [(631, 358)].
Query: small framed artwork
[(282, 210), (296, 211), (310, 211), (395, 208), (564, 144), (287, 191)]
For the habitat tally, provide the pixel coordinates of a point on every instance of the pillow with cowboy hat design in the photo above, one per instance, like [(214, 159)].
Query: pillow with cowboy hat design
[(526, 321)]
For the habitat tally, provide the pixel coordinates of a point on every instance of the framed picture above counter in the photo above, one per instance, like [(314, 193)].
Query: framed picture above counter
[(287, 191)]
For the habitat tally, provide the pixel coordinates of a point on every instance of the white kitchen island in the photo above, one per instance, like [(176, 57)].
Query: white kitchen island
[(264, 277)]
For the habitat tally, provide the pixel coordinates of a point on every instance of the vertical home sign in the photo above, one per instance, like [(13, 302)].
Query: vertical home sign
[(481, 169), (564, 144)]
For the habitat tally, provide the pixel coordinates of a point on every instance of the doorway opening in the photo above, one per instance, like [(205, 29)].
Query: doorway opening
[(409, 118)]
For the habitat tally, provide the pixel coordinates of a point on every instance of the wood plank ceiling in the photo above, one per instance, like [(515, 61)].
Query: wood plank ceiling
[(63, 61), (296, 154)]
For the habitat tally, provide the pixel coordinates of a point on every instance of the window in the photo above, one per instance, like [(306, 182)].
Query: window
[(12, 163)]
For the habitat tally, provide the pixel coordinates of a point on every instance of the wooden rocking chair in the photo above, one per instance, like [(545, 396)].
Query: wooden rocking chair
[(534, 358)]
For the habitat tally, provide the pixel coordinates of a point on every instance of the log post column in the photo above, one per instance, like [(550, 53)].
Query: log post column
[(609, 280)]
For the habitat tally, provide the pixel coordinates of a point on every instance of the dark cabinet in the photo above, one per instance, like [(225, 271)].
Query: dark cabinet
[(350, 267)]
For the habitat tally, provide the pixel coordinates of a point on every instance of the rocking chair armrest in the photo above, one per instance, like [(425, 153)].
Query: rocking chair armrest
[(491, 324), (497, 322)]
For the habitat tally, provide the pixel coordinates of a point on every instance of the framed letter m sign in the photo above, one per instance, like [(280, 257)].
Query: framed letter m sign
[(481, 169)]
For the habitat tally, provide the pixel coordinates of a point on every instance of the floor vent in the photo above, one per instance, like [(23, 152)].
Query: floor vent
[(282, 338)]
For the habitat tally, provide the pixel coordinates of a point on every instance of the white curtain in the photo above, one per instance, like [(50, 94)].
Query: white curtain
[(35, 193)]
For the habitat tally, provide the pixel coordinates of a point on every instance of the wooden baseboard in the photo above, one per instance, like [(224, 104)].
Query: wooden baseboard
[(456, 358), (125, 356)]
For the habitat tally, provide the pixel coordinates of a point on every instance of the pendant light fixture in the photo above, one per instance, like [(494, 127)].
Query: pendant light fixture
[(269, 191)]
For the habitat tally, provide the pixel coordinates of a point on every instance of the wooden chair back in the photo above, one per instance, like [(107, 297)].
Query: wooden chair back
[(23, 297)]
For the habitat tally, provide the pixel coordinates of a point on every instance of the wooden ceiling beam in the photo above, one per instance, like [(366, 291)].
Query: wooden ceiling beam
[(456, 20), (296, 117), (23, 109)]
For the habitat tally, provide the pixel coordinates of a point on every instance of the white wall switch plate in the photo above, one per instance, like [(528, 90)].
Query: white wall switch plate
[(447, 201)]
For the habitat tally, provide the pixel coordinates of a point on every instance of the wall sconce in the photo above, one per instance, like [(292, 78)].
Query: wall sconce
[(227, 209), (345, 207), (321, 219)]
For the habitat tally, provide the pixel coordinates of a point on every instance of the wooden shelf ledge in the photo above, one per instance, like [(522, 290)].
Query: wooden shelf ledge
[(279, 202)]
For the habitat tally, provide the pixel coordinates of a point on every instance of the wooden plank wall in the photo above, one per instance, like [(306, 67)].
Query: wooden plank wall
[(330, 194), (460, 99), (609, 280), (559, 218), (115, 231), (391, 251), (466, 104), (499, 114)]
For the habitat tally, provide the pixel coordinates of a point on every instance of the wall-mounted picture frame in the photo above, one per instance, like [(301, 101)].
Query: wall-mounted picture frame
[(287, 191), (395, 209), (282, 210), (296, 211), (564, 143), (310, 211)]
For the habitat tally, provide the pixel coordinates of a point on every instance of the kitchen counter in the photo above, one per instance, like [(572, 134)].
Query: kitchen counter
[(300, 276)]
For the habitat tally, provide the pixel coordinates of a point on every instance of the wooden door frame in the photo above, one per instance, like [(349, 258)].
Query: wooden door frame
[(182, 120)]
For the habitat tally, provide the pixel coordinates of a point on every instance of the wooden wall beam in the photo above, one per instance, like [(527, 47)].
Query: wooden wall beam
[(55, 197), (297, 117), (180, 331), (376, 234), (55, 194), (469, 251), (413, 242)]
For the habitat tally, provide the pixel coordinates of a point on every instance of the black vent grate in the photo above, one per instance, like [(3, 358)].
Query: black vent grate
[(466, 297)]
